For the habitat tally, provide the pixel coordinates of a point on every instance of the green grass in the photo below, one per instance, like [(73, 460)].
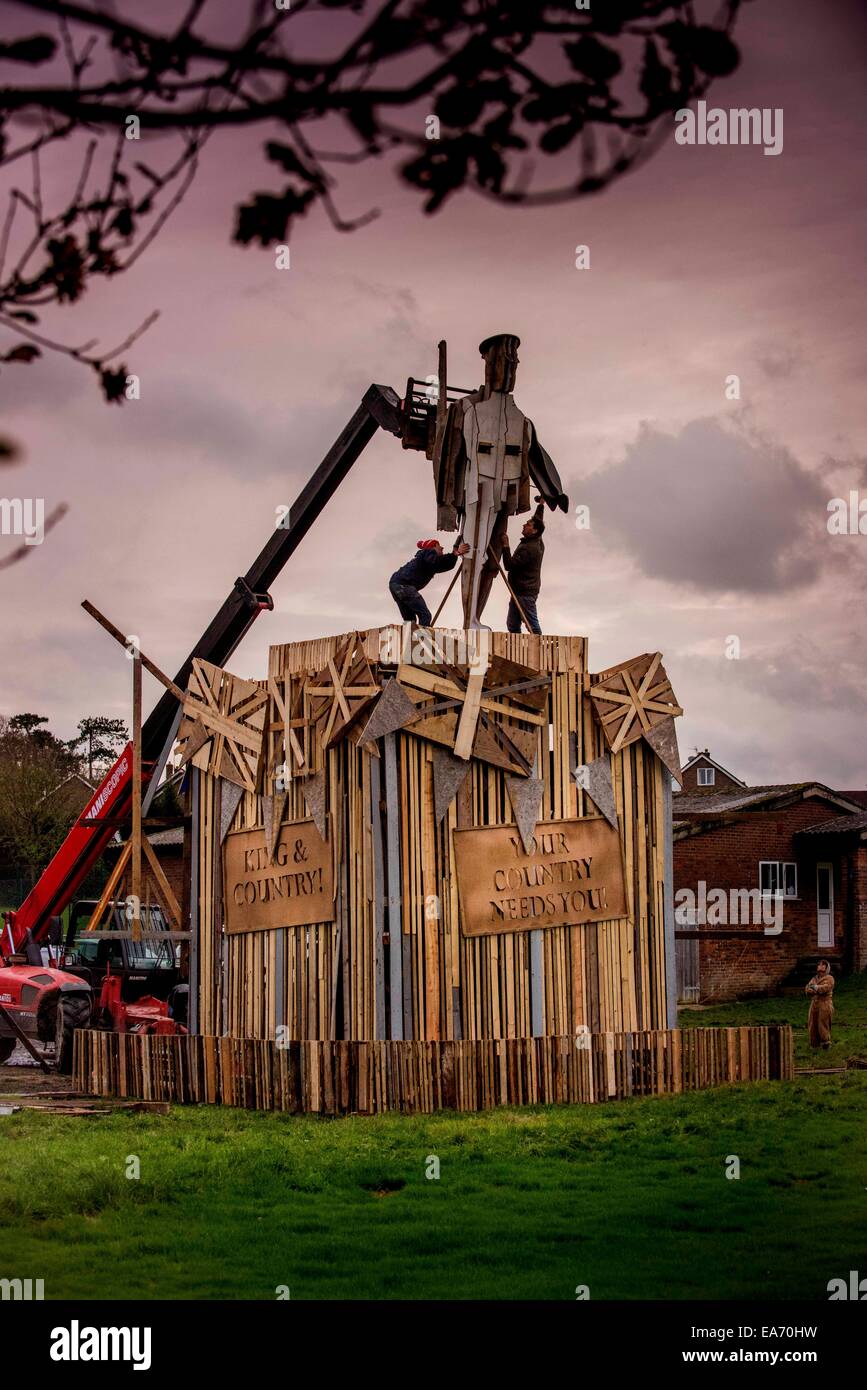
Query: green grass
[(848, 1033), (629, 1198)]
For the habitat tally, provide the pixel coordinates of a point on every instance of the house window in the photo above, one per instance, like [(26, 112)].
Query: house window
[(778, 878), (706, 776)]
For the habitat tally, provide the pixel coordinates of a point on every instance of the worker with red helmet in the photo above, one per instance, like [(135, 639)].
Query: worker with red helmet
[(406, 583)]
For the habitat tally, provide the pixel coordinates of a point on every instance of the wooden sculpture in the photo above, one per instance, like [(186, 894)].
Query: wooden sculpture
[(485, 455)]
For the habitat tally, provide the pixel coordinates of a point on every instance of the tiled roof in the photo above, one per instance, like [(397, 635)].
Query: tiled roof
[(710, 803), (840, 825), (173, 836)]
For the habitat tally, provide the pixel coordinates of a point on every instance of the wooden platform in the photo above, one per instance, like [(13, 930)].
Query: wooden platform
[(341, 1078), (394, 962)]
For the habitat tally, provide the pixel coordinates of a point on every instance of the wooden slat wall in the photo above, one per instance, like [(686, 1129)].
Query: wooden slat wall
[(335, 980), (338, 1077)]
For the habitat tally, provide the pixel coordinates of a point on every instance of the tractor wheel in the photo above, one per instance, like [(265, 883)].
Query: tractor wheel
[(7, 1047), (73, 1011)]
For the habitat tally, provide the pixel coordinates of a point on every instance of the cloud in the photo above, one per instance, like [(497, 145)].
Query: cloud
[(713, 508), (778, 360)]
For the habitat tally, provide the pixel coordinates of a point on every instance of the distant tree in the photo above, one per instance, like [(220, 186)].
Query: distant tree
[(36, 808), (98, 741), (27, 723)]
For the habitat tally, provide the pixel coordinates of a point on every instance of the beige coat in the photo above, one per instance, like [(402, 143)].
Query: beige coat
[(821, 990)]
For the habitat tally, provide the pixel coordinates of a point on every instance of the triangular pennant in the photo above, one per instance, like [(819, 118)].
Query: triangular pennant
[(595, 780), (525, 794), (663, 740), (391, 712), (230, 795), (449, 773), (279, 807), (313, 789)]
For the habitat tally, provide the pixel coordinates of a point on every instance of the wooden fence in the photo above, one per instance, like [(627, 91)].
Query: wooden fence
[(341, 1078)]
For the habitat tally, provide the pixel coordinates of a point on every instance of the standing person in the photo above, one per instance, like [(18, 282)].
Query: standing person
[(406, 583), (524, 569), (821, 991)]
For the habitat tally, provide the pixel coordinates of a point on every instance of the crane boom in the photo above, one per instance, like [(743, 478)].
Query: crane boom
[(110, 804)]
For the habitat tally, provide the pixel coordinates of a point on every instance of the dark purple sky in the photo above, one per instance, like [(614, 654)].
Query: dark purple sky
[(708, 517)]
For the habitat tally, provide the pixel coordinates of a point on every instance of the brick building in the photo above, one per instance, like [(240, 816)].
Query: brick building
[(767, 881)]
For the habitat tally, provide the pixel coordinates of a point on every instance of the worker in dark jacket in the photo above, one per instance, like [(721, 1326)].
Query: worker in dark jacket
[(524, 569), (407, 582)]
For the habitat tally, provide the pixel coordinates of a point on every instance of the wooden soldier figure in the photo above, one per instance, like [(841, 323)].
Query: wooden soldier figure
[(483, 464)]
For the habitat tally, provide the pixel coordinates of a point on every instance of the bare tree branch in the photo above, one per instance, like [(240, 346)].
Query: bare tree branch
[(524, 105)]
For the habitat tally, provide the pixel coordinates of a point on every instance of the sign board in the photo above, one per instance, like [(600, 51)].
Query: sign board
[(573, 874), (295, 890)]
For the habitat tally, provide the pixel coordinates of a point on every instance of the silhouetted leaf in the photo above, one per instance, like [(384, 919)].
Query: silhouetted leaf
[(655, 78), (593, 58), (392, 36), (459, 105), (124, 223), (105, 262), (499, 131), (439, 170), (360, 117), (113, 383), (266, 219), (714, 52), (38, 48), (490, 169), (556, 102), (22, 352), (66, 269), (557, 137), (287, 158)]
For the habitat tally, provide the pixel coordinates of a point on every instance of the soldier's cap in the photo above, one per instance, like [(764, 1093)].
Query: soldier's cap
[(498, 338)]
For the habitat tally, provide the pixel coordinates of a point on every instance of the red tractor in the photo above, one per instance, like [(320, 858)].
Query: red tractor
[(46, 991)]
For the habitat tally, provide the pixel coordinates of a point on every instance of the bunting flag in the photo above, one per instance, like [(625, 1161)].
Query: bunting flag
[(449, 773), (272, 815), (595, 779), (313, 791), (663, 740), (525, 794), (392, 711), (230, 797)]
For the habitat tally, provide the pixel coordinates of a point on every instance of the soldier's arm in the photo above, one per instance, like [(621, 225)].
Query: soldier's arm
[(449, 468), (545, 475)]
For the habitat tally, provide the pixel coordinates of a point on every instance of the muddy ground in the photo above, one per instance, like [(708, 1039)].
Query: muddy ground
[(21, 1073)]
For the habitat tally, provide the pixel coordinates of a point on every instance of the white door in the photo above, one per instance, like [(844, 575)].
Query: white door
[(825, 904)]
